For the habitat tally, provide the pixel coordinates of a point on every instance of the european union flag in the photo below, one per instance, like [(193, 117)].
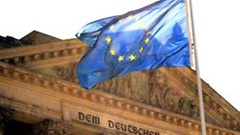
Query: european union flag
[(145, 39)]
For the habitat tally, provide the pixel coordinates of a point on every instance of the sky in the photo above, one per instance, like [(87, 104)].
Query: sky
[(216, 27)]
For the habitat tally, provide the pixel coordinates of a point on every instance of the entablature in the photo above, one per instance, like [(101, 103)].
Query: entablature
[(62, 93)]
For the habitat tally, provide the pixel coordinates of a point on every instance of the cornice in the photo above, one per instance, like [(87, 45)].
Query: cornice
[(30, 109), (96, 97), (28, 54), (226, 116), (208, 89)]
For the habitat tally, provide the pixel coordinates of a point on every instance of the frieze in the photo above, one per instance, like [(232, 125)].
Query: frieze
[(114, 124), (100, 119)]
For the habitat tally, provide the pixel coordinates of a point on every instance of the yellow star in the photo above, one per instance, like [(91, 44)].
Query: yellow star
[(108, 40), (112, 52), (148, 33), (132, 57), (141, 50), (143, 26), (137, 18), (129, 17), (112, 27), (120, 58), (147, 40)]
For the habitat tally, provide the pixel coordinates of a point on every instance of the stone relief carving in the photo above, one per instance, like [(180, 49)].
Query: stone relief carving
[(129, 86), (165, 96), (66, 72), (151, 87), (158, 89), (188, 107)]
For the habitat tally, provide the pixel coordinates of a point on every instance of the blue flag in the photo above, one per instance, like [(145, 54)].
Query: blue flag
[(145, 39)]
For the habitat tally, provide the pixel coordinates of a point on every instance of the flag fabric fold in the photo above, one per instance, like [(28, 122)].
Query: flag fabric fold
[(144, 39)]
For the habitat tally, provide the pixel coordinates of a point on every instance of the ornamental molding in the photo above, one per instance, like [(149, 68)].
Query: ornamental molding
[(30, 109), (43, 55), (214, 105)]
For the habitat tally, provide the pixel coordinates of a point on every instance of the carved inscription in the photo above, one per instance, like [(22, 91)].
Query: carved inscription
[(130, 128), (89, 118), (67, 72), (114, 125)]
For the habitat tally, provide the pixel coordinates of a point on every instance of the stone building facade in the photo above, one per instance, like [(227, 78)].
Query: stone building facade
[(40, 95)]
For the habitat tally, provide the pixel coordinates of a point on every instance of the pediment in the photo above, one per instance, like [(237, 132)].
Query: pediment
[(36, 37), (171, 89)]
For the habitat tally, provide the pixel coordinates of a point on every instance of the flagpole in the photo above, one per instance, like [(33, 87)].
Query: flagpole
[(199, 83)]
